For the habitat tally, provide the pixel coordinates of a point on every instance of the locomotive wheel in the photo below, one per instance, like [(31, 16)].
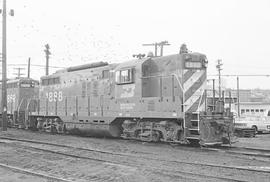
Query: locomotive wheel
[(53, 130), (156, 137), (65, 129)]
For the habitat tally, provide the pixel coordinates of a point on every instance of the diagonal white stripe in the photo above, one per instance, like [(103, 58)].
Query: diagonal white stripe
[(194, 97), (195, 77)]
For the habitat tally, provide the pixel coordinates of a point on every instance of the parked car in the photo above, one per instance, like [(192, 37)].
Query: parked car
[(261, 124)]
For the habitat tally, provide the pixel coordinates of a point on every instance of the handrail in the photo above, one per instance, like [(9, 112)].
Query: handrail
[(183, 99)]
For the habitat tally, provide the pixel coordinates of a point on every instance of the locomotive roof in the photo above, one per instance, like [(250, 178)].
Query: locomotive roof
[(83, 67), (131, 63), (19, 79), (115, 66), (79, 68)]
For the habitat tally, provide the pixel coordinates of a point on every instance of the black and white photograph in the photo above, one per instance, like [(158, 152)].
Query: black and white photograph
[(134, 91)]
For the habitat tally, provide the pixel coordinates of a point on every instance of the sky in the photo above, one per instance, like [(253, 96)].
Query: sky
[(85, 31)]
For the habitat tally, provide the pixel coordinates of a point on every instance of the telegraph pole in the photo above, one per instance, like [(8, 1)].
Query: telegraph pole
[(238, 97), (214, 96), (4, 69), (19, 72), (156, 45), (28, 70), (48, 53), (161, 44), (4, 64), (219, 77)]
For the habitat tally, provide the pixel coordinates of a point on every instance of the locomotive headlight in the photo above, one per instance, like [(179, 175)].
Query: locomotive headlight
[(205, 62), (193, 65)]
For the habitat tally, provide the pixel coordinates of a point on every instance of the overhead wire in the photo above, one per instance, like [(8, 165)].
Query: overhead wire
[(37, 65)]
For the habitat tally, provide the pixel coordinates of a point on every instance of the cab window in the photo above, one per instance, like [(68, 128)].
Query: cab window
[(105, 74), (124, 76), (56, 80), (50, 81), (45, 82)]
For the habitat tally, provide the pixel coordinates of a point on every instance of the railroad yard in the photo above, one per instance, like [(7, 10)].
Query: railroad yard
[(34, 156), (135, 91)]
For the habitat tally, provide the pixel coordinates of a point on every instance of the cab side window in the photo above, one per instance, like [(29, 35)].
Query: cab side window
[(105, 74), (124, 76)]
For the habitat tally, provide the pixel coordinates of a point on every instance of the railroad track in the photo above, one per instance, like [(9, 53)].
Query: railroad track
[(32, 173), (165, 172), (151, 158), (242, 151), (226, 149)]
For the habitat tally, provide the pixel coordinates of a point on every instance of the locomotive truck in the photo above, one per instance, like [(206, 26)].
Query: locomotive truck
[(149, 99)]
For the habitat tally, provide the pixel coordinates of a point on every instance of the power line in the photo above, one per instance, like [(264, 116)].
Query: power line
[(37, 65), (247, 75)]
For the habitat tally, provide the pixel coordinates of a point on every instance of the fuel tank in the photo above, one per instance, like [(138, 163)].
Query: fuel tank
[(94, 130)]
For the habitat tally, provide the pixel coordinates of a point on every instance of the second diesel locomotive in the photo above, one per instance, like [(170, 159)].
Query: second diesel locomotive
[(150, 99), (21, 92)]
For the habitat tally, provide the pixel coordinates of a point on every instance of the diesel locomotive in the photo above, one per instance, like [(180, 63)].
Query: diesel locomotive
[(21, 92), (150, 99)]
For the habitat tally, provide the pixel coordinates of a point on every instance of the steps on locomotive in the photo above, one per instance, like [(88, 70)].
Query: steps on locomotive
[(193, 128), (194, 122)]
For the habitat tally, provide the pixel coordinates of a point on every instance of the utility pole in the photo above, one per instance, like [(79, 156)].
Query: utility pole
[(161, 44), (28, 70), (19, 74), (219, 77), (48, 53), (4, 67), (4, 64), (156, 45), (238, 97), (214, 96)]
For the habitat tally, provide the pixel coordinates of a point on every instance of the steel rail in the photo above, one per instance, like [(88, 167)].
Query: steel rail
[(265, 153), (149, 158), (32, 173), (155, 170), (130, 155), (222, 149)]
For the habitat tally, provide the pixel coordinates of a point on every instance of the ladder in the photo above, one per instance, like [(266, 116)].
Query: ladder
[(194, 126)]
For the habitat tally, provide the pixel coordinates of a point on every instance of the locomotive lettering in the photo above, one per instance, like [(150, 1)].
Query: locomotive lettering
[(127, 106), (127, 91), (54, 96)]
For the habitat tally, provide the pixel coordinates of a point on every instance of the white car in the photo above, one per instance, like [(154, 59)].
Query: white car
[(261, 124)]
